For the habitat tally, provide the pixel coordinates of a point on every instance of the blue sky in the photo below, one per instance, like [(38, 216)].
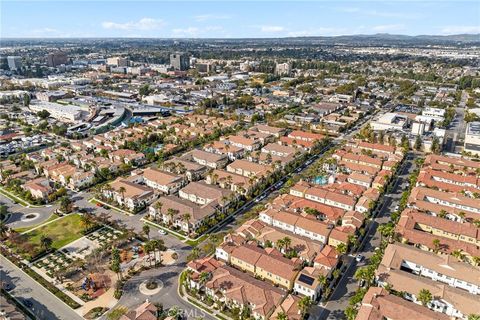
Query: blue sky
[(234, 19)]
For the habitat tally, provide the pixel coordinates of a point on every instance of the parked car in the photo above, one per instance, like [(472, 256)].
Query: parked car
[(359, 258), (162, 232), (7, 286), (28, 304)]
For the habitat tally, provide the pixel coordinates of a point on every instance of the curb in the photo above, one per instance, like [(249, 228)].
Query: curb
[(92, 200), (26, 274)]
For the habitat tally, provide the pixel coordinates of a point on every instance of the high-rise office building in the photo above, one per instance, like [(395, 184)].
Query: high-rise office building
[(180, 61), (56, 58), (117, 62), (14, 62)]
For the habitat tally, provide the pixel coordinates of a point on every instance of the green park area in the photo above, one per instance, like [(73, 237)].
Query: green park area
[(62, 231), (53, 235)]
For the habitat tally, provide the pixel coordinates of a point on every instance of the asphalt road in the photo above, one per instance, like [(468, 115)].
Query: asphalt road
[(347, 285), (17, 212), (49, 307), (45, 305), (456, 131)]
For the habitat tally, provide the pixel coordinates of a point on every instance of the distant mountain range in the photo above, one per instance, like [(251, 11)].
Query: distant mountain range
[(398, 37)]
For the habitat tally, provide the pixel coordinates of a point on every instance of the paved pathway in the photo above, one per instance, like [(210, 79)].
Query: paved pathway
[(46, 306)]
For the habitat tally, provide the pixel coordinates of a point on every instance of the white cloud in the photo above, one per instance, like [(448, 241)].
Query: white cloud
[(272, 29), (142, 24), (207, 17), (191, 32), (460, 29), (388, 28)]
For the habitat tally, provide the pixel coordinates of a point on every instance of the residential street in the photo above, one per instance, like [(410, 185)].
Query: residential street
[(45, 305), (347, 285), (168, 296), (17, 212), (456, 131)]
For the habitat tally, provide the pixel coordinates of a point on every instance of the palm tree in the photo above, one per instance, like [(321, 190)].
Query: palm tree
[(424, 296), (148, 247), (304, 304), (476, 261), (115, 263), (351, 313), (282, 316), (366, 274), (203, 278), (286, 243), (146, 230), (387, 231), (194, 254), (171, 212), (322, 279), (175, 312), (122, 191), (186, 218), (46, 242), (458, 254), (154, 246), (442, 213), (436, 245), (158, 207), (280, 244), (341, 248)]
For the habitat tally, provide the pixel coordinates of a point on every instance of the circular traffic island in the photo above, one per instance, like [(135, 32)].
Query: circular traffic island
[(150, 287), (30, 217)]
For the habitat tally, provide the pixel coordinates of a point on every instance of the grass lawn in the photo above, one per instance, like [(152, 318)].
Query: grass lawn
[(194, 243), (14, 198), (21, 230), (62, 231)]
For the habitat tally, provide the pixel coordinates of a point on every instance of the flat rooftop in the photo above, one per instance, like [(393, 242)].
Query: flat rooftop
[(473, 128)]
